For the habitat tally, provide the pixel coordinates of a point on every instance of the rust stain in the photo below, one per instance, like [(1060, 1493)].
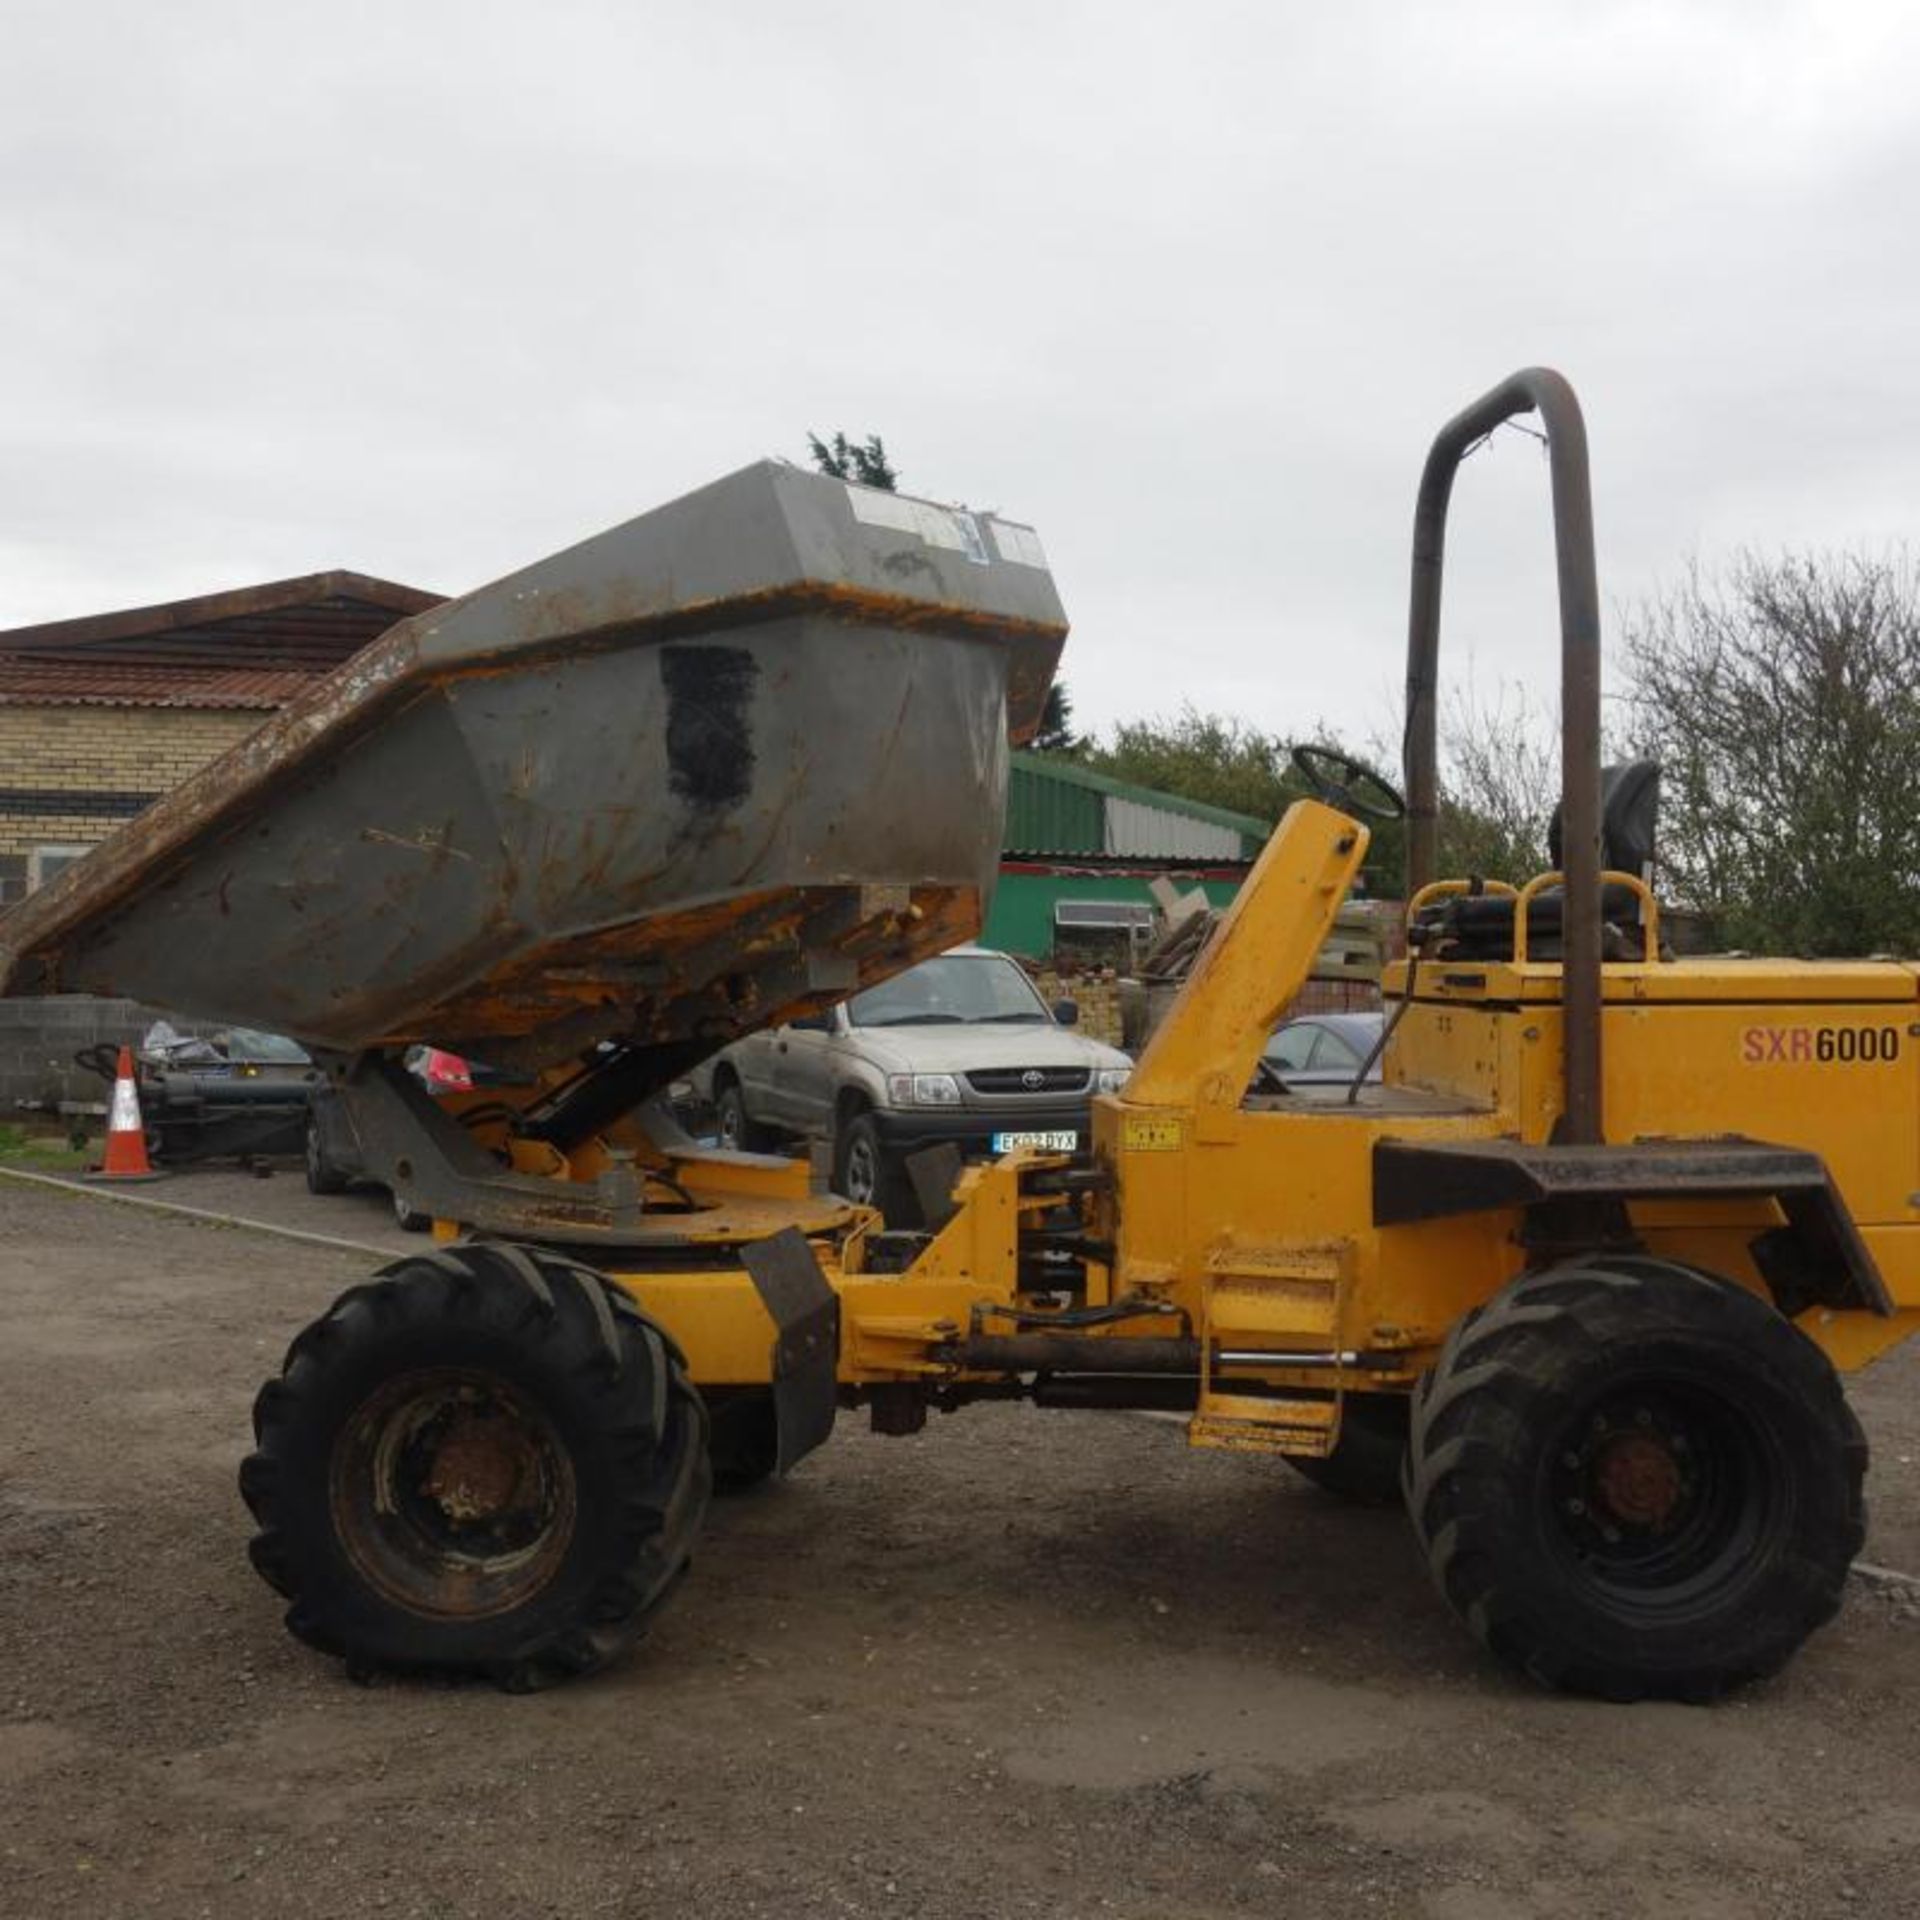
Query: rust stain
[(435, 842), (480, 1468)]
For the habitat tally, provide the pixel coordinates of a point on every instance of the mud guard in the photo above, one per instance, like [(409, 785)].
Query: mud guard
[(806, 1343)]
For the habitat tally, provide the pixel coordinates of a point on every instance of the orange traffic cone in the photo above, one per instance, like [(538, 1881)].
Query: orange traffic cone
[(126, 1157)]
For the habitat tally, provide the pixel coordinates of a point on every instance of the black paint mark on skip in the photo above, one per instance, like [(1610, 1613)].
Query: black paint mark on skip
[(709, 724)]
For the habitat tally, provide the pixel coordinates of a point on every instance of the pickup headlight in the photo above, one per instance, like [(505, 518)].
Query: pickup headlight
[(1111, 1079), (923, 1089)]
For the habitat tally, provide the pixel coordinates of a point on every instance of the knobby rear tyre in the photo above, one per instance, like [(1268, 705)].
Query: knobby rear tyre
[(1635, 1480), (487, 1461)]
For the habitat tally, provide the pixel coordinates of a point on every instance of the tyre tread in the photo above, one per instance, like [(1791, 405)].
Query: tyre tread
[(1473, 1407), (589, 1333)]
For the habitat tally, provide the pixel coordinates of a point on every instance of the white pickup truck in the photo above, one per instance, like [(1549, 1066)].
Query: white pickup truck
[(959, 1050)]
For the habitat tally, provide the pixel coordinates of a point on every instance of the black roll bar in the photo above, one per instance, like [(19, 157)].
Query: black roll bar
[(1534, 389)]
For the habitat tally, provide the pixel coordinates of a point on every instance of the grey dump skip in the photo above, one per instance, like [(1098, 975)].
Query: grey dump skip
[(724, 762)]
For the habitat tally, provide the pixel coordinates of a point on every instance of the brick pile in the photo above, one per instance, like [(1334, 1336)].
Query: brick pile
[(1095, 990)]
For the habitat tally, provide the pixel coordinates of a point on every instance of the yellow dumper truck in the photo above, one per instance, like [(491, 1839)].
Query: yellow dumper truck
[(1576, 1277)]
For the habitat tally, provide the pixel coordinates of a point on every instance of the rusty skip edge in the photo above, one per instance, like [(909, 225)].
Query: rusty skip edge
[(677, 986), (384, 675)]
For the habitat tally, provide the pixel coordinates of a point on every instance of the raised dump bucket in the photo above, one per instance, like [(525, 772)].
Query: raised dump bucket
[(731, 759)]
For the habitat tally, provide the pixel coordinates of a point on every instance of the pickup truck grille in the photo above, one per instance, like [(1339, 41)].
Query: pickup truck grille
[(1002, 1081)]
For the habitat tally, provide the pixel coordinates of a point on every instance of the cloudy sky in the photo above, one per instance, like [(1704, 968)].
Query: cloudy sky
[(429, 290)]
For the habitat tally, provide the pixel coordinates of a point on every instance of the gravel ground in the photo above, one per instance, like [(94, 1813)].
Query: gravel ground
[(273, 1194), (1021, 1664)]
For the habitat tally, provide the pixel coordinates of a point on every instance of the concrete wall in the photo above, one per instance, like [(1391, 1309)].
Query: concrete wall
[(38, 1039)]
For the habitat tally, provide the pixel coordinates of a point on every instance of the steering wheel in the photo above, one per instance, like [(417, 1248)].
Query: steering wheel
[(1349, 784)]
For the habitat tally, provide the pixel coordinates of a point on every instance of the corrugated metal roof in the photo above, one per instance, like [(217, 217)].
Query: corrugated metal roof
[(252, 648), (1045, 815), (305, 597), (1056, 806), (83, 683), (1147, 831)]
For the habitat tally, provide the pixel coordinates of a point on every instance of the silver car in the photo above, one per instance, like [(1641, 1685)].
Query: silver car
[(961, 1050), (1324, 1049)]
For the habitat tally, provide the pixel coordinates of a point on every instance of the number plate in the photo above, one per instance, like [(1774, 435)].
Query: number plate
[(1064, 1141)]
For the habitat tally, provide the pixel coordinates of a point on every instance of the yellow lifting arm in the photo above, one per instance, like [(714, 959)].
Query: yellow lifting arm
[(1205, 1050)]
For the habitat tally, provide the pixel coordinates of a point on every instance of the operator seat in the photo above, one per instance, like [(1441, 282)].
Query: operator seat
[(1479, 926)]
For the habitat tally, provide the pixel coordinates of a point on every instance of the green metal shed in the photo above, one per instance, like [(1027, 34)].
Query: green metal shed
[(1080, 839)]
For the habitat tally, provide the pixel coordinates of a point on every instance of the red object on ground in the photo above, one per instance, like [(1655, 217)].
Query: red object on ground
[(126, 1156)]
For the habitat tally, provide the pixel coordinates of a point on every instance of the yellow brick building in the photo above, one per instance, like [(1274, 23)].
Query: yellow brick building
[(100, 716)]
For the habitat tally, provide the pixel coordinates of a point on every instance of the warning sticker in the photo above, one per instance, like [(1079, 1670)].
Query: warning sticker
[(1019, 544), (1150, 1133), (950, 527), (881, 509)]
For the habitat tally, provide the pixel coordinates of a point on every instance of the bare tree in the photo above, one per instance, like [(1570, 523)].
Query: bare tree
[(1784, 705), (1499, 784)]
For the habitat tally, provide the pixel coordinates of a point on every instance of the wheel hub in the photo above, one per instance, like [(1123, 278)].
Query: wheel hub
[(1652, 1487), (480, 1468), (453, 1495), (860, 1173), (1638, 1480)]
